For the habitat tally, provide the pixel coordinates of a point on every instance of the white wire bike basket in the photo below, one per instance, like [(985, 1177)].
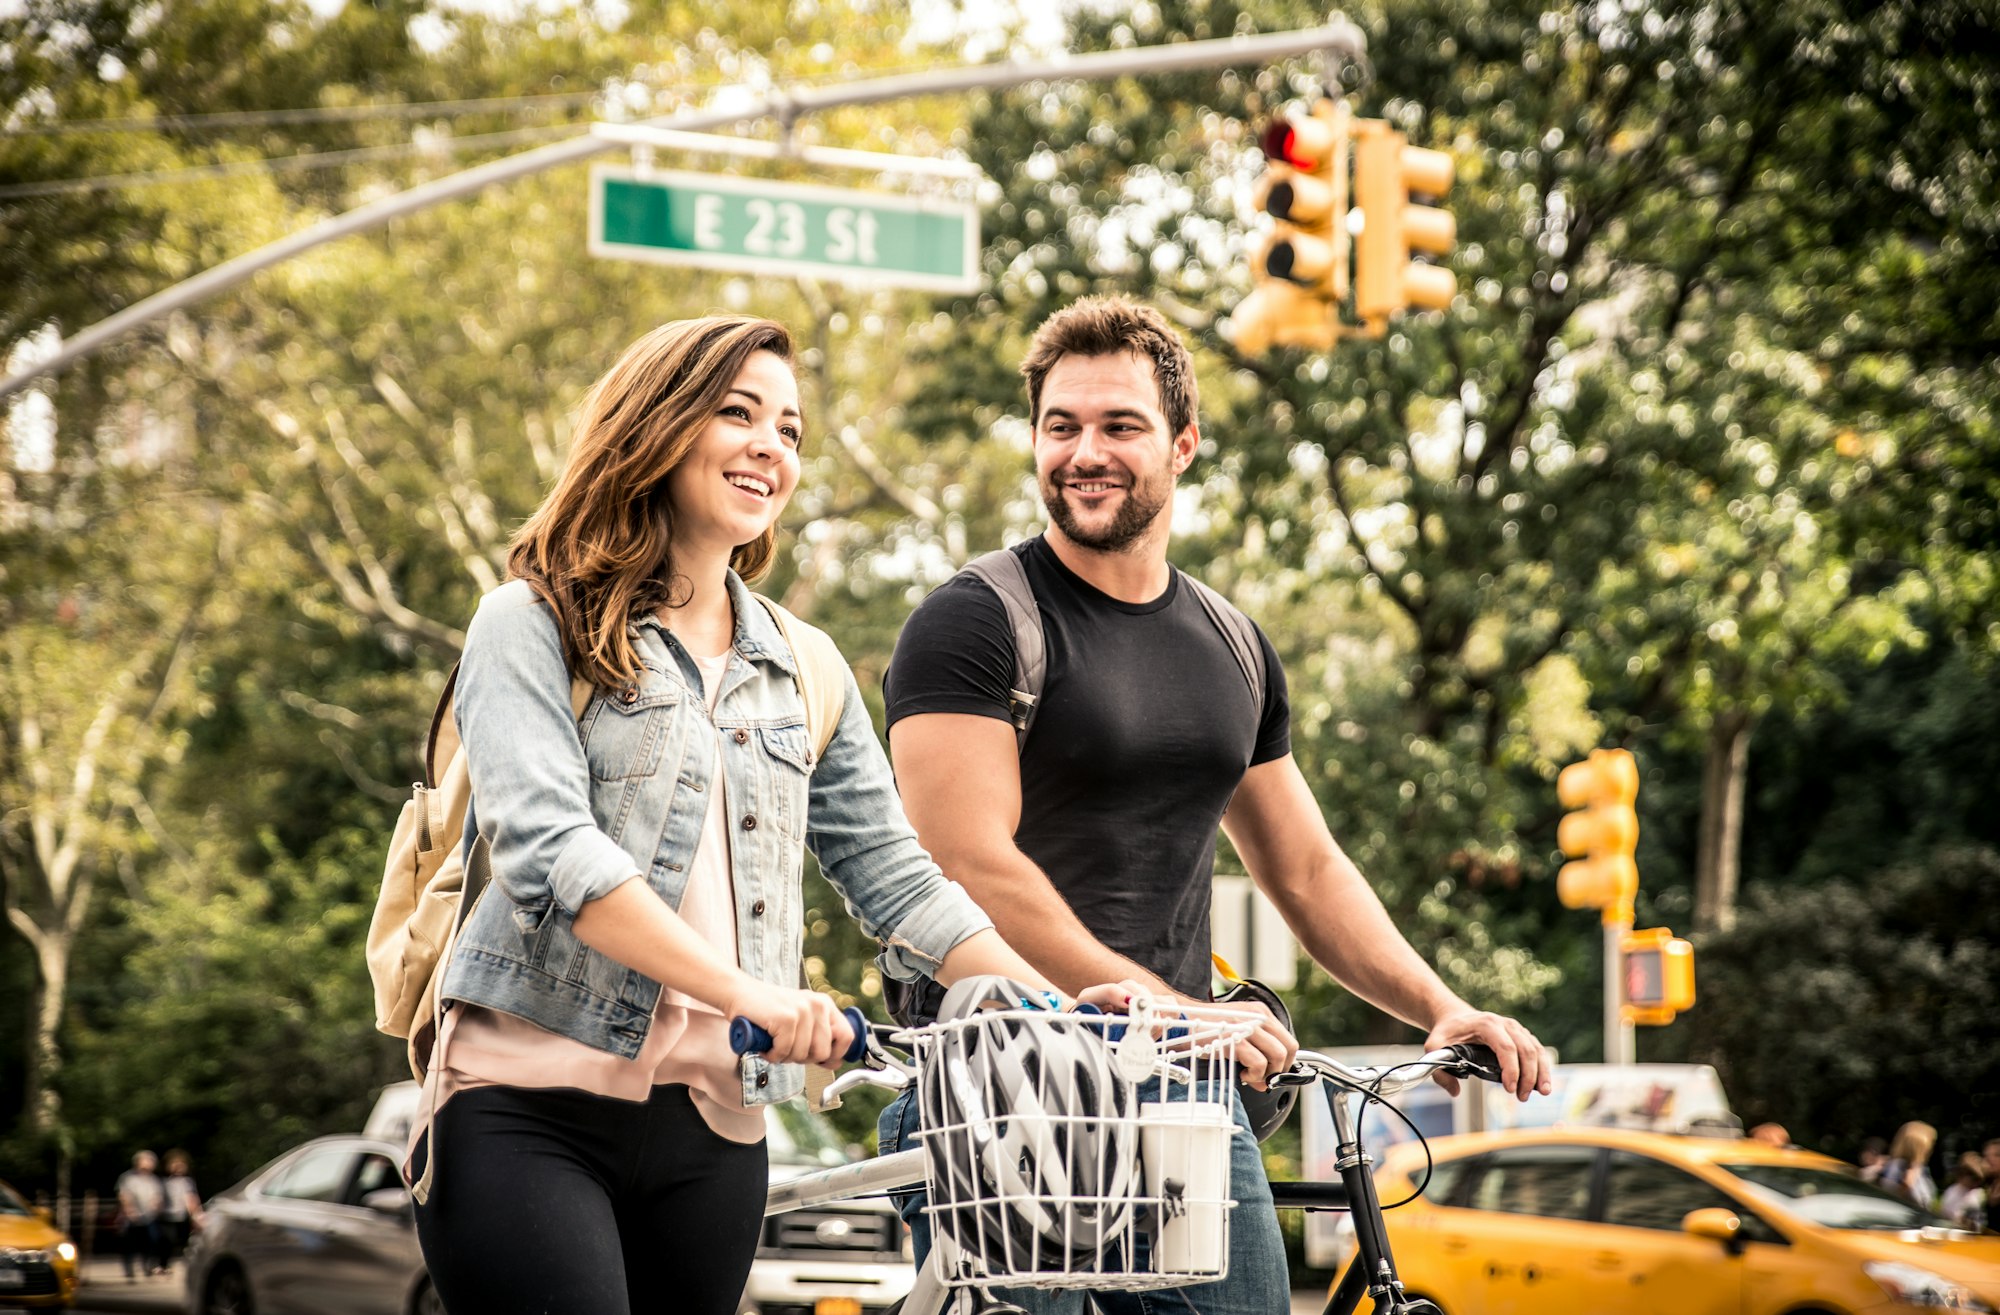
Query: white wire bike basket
[(1066, 1150)]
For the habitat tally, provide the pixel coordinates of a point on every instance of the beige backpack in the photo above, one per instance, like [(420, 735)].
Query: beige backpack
[(423, 901)]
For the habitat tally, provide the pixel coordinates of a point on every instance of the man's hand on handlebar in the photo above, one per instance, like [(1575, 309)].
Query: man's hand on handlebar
[(1266, 1051), (1524, 1065)]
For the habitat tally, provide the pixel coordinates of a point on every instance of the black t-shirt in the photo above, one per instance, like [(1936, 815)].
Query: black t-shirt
[(1145, 727)]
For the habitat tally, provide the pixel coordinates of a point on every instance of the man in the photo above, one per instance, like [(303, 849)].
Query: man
[(141, 1196), (1092, 845)]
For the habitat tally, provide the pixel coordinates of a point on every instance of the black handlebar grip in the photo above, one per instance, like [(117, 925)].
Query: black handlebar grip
[(746, 1038), (1479, 1060)]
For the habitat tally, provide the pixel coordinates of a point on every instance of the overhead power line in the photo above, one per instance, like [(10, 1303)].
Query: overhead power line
[(322, 114), (287, 163)]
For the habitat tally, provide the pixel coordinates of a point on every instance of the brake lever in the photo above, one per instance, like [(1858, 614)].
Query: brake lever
[(1476, 1061)]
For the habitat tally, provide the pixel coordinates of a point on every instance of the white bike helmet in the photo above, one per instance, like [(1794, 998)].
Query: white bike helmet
[(1033, 1148)]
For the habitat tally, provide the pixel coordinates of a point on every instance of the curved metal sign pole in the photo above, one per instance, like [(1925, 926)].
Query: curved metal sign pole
[(1338, 40)]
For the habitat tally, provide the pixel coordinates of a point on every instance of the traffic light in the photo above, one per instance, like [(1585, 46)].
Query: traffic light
[(1388, 174), (1659, 976), (1301, 265), (1602, 834)]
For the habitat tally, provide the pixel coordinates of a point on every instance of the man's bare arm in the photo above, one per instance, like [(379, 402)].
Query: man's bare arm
[(960, 778), (1278, 830)]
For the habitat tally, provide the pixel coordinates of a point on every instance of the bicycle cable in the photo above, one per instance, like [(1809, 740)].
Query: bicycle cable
[(1372, 1094)]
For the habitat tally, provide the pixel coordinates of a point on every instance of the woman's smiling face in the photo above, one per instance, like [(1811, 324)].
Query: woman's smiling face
[(744, 465)]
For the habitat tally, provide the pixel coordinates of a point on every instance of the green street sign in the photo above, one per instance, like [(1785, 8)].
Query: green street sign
[(865, 238)]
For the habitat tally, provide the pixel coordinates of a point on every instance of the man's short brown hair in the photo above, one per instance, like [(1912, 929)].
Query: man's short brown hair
[(1104, 326)]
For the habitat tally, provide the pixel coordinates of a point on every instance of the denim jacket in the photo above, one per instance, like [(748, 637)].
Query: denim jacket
[(573, 808)]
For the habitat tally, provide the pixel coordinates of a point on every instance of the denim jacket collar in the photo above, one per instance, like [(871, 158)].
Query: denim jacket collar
[(757, 635)]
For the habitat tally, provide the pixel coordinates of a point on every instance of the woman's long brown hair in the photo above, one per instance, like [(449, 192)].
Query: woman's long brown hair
[(599, 550)]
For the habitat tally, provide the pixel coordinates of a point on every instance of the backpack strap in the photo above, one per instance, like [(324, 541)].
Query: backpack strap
[(1003, 573), (822, 675), (1240, 632), (478, 876)]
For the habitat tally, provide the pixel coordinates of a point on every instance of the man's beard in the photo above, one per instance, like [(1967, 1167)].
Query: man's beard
[(1134, 517)]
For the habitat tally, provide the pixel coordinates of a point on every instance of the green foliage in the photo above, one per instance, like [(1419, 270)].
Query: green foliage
[(1843, 1008), (243, 1021)]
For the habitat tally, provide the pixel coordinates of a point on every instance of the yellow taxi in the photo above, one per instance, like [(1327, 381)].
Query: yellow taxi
[(1603, 1221), (37, 1263)]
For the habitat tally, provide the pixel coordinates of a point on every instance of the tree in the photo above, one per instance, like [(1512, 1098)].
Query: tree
[(1843, 1009), (94, 674)]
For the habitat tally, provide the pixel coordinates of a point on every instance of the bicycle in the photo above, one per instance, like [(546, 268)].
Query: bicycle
[(1154, 1206)]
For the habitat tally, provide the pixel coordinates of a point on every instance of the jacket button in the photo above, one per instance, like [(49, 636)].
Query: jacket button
[(742, 737), (757, 909), (630, 694), (763, 1079), (749, 823)]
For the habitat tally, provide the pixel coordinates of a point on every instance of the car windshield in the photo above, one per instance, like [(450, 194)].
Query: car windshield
[(11, 1204), (1832, 1198), (797, 1136)]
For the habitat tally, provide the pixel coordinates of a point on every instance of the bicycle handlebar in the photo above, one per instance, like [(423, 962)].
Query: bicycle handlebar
[(1466, 1060), (746, 1038)]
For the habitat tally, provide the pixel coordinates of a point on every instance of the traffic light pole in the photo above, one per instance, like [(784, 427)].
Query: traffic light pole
[(1620, 1034), (1339, 40)]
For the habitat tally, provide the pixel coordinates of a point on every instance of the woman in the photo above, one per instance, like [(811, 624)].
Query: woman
[(599, 1150), (1907, 1172), (181, 1217)]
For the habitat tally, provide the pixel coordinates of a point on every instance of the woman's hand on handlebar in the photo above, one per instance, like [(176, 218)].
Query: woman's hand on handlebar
[(1112, 997), (1524, 1066), (805, 1026)]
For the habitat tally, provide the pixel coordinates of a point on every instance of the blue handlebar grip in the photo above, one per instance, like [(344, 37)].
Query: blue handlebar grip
[(1112, 1031), (746, 1038)]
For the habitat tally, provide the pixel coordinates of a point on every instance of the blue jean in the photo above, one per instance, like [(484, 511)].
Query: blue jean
[(1257, 1283)]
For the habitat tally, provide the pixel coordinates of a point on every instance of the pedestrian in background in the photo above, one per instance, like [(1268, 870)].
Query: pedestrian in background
[(1771, 1134), (1908, 1172), (1966, 1194), (1874, 1159), (141, 1197), (180, 1216)]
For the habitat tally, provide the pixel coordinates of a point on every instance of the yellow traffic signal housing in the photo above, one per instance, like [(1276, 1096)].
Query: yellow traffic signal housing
[(1387, 174), (1301, 265), (1602, 834), (1659, 976)]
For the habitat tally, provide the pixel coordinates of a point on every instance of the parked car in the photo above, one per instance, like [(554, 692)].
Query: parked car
[(324, 1229), (37, 1260), (1578, 1221), (831, 1260)]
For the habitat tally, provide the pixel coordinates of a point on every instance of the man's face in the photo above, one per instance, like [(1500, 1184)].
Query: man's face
[(1104, 458)]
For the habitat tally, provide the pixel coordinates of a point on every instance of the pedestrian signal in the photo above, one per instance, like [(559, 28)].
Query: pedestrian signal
[(1601, 833), (1300, 266), (1393, 185), (1659, 976)]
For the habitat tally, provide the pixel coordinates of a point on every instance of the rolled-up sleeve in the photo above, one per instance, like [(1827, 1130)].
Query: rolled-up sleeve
[(867, 849), (530, 779)]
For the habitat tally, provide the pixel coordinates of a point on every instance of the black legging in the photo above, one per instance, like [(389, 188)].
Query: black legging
[(562, 1203)]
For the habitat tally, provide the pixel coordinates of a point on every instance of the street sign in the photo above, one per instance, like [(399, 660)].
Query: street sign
[(763, 227)]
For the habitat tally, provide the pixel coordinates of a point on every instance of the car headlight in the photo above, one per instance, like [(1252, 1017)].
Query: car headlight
[(67, 1251), (1919, 1287)]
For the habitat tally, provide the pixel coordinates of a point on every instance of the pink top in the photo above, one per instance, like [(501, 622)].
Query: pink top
[(688, 1042)]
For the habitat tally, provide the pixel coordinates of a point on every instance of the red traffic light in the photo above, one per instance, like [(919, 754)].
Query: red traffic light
[(1304, 143)]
